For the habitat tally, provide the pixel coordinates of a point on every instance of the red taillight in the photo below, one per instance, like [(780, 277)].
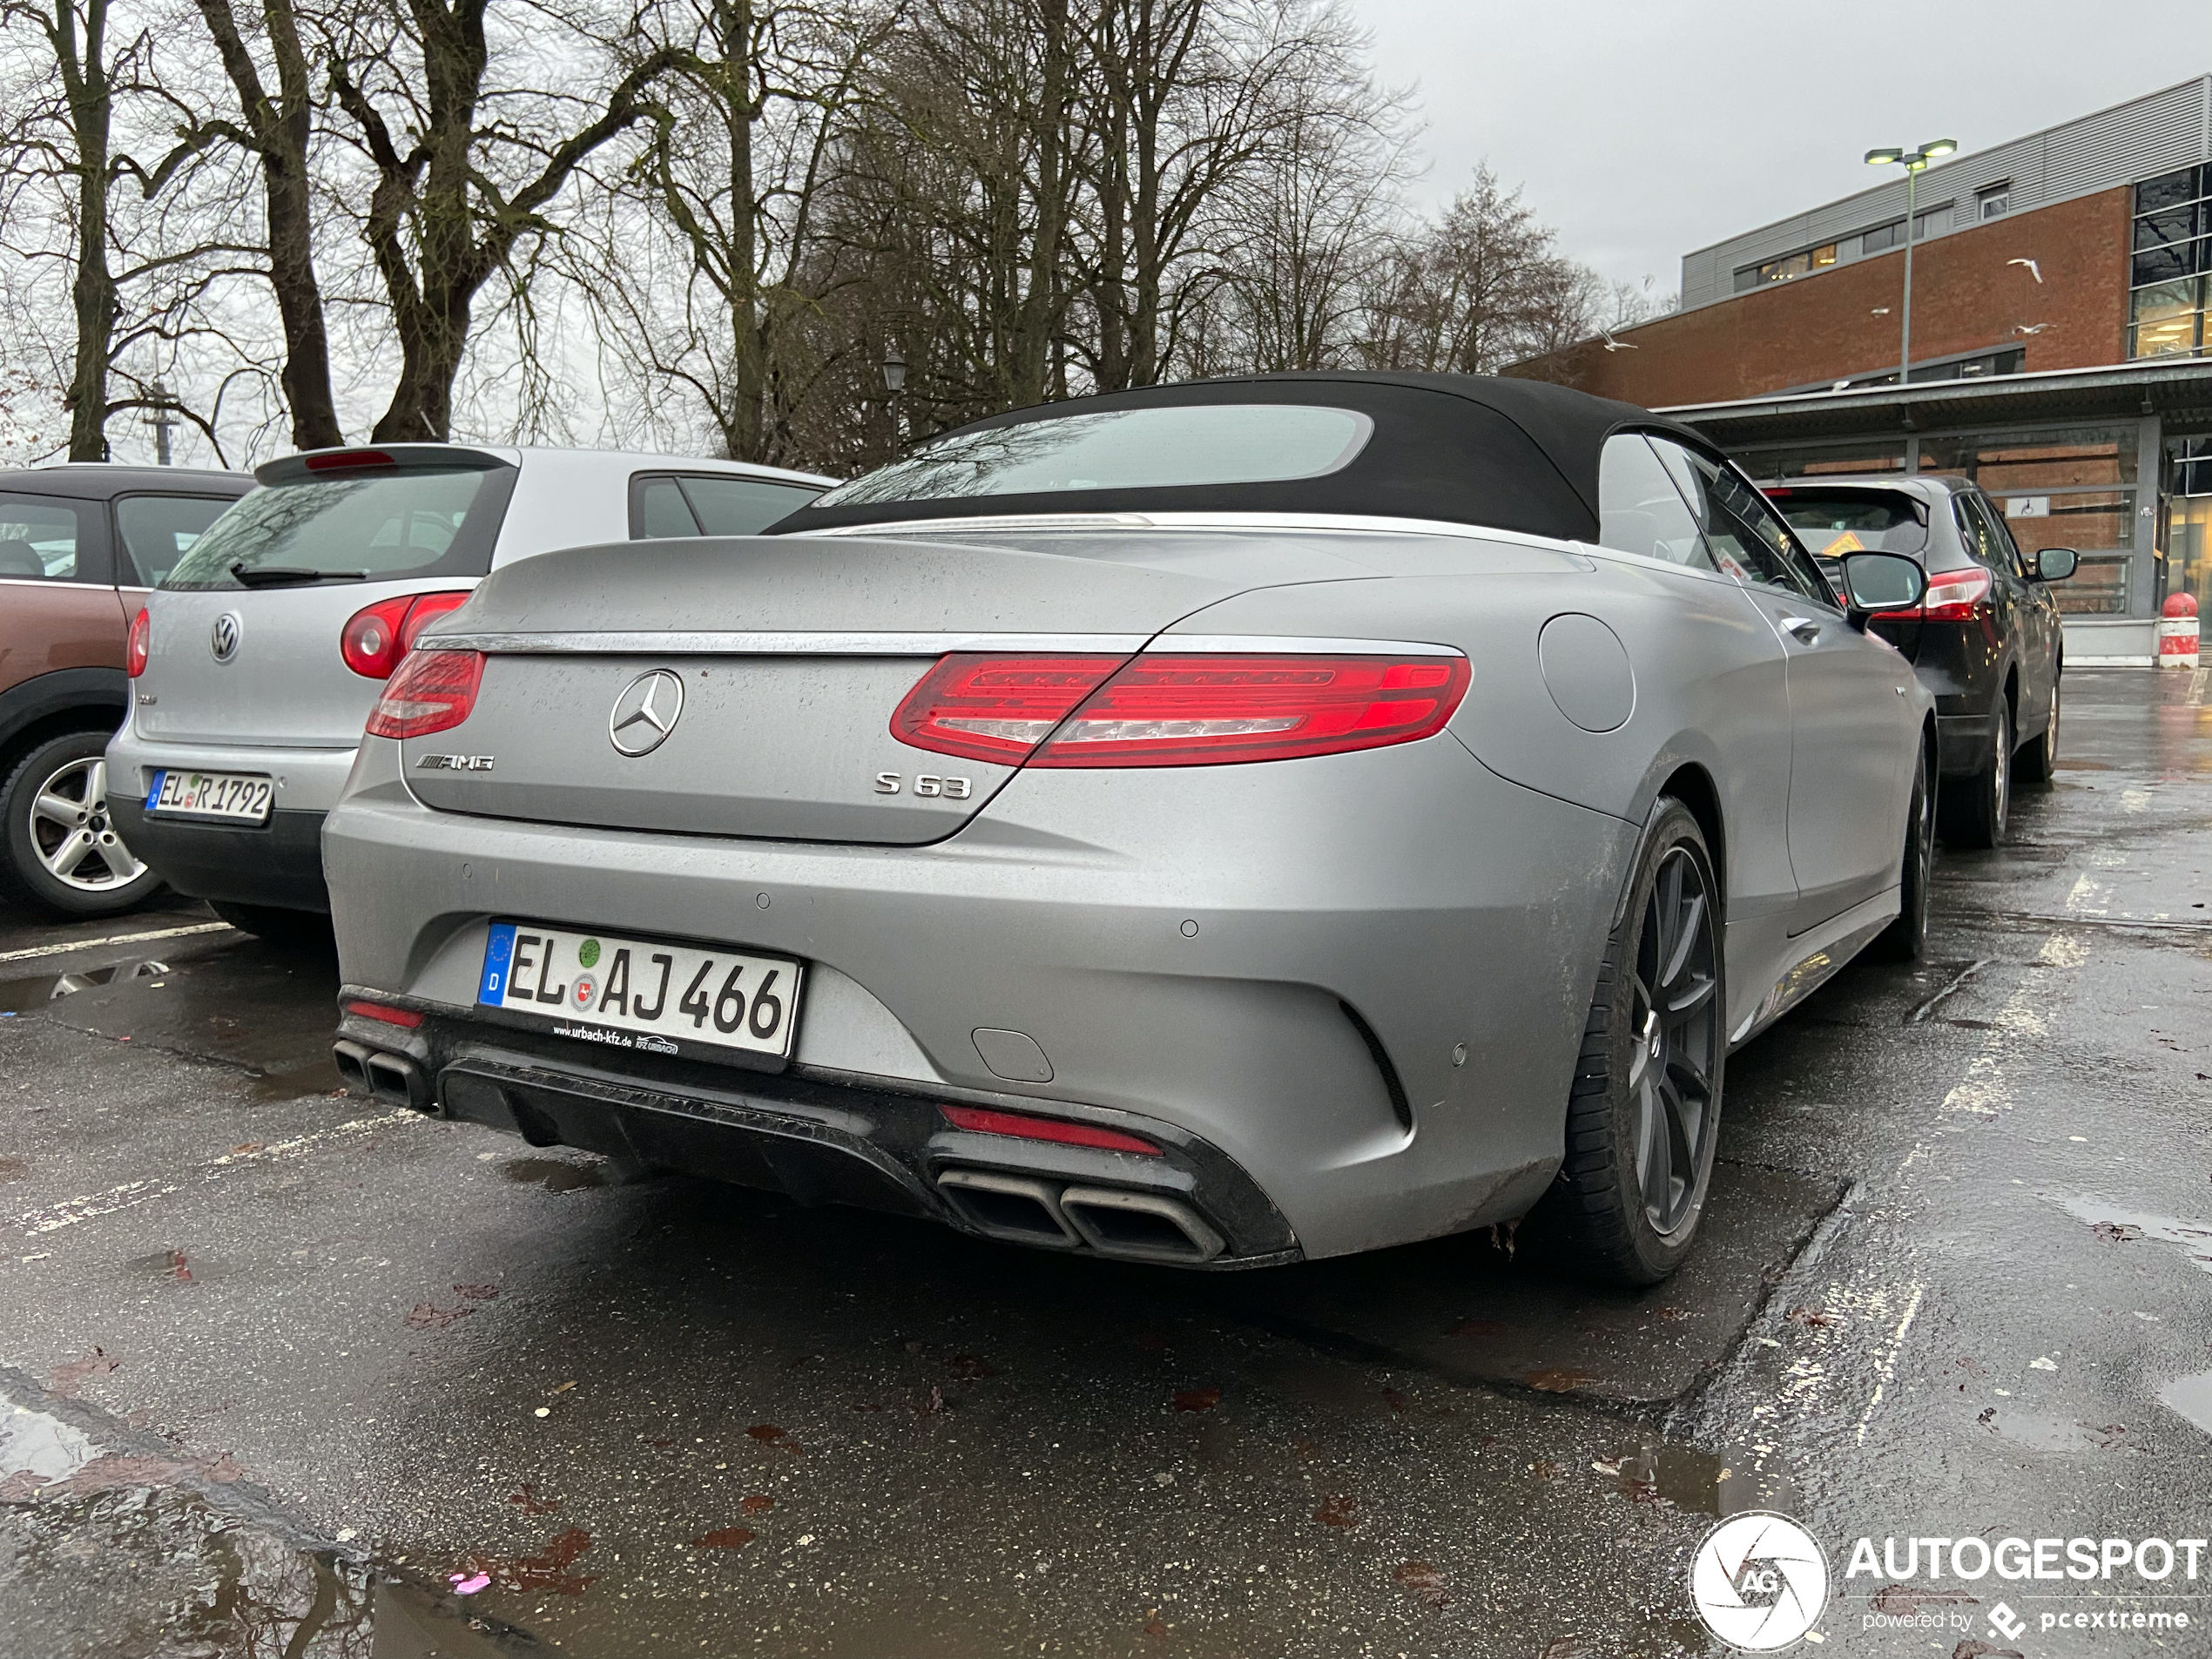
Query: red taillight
[(134, 653), (376, 637), (1952, 595), (407, 1017), (996, 708), (433, 692), (1024, 1127), (1163, 710), (337, 460)]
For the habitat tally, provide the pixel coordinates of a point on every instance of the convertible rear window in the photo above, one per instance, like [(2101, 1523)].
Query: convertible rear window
[(1832, 522), (358, 526), (1143, 448)]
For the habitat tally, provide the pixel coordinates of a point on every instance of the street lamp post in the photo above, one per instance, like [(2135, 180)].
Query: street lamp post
[(1915, 163), (894, 382)]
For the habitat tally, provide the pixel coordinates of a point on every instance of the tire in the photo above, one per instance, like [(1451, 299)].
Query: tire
[(63, 853), (1905, 940), (287, 930), (1975, 809), (1643, 1115), (2038, 757)]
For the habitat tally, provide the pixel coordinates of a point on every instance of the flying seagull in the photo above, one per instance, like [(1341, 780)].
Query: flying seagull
[(1881, 311), (2029, 327), (1612, 344), (2033, 269)]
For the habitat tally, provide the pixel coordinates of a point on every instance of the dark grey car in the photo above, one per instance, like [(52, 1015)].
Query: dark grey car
[(1986, 637)]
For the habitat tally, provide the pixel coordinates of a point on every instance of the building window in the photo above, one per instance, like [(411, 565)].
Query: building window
[(1993, 200), (2167, 320), (1930, 221), (2170, 254), (1783, 270), (1881, 237)]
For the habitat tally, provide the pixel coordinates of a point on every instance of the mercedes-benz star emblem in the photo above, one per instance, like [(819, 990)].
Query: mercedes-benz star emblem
[(646, 713), (223, 637)]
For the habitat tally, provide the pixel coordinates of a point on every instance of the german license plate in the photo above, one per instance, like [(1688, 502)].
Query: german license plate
[(239, 797), (640, 993)]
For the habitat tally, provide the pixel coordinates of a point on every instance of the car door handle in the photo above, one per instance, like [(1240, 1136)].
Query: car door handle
[(1806, 630)]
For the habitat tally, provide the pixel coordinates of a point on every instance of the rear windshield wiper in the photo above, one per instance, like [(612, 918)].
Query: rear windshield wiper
[(279, 576)]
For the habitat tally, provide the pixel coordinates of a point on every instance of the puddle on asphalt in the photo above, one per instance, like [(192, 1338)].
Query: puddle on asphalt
[(100, 1541), (2116, 1226), (2040, 1432), (555, 1175), (36, 1450), (317, 1077), (2191, 1397), (24, 996), (1703, 1482)]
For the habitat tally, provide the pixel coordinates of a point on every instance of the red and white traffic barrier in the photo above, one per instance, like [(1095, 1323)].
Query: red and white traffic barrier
[(2177, 633)]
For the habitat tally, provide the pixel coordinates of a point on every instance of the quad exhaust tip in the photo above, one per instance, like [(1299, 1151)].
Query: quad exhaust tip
[(1136, 1226), (1143, 1226), (394, 1079)]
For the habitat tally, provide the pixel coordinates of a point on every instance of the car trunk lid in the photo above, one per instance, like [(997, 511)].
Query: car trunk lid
[(788, 656), (253, 659)]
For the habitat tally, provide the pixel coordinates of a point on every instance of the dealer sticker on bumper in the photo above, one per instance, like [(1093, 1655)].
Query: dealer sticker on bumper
[(642, 995)]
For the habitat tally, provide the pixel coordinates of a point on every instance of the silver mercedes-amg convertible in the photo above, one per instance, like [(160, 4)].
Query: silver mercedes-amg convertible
[(1216, 825)]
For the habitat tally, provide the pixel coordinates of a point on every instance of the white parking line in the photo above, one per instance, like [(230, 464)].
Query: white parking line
[(116, 939), (1885, 1371), (55, 1216)]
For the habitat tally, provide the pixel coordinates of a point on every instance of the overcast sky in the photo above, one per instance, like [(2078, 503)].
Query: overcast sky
[(1643, 129)]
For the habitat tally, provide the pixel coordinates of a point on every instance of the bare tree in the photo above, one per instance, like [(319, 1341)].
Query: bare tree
[(1481, 288), (276, 128), (467, 176)]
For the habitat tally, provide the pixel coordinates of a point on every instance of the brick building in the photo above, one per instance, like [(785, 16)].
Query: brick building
[(2059, 311)]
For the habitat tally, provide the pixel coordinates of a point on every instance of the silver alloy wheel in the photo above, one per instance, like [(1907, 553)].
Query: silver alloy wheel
[(73, 835), (2051, 734), (1676, 1018)]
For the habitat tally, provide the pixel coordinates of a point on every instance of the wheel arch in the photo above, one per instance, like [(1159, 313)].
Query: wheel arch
[(67, 699), (1692, 786)]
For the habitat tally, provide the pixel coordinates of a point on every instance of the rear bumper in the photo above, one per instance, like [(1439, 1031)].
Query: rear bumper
[(1360, 980), (1963, 743), (278, 863), (822, 1141)]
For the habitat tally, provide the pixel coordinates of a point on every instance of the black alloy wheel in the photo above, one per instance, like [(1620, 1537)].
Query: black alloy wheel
[(1975, 809), (1643, 1117), (1905, 940), (2038, 757)]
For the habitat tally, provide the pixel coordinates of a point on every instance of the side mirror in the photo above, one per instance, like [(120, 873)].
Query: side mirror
[(2056, 563), (1876, 582)]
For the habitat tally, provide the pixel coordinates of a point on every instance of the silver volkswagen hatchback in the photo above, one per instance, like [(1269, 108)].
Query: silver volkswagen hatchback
[(255, 661)]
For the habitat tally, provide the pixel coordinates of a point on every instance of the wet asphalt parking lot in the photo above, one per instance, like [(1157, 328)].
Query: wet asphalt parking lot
[(284, 1372)]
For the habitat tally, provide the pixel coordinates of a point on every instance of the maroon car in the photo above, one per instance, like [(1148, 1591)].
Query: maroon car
[(80, 546)]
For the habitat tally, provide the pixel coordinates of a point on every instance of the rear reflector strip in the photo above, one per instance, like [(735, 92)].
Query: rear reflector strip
[(407, 1017), (1022, 1127), (1165, 709)]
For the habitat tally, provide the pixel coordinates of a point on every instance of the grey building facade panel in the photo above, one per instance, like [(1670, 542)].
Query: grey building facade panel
[(2156, 133)]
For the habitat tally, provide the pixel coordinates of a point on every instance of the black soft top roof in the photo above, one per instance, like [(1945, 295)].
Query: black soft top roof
[(1464, 449)]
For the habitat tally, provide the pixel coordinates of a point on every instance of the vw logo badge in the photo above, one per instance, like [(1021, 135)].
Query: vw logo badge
[(223, 636), (646, 713)]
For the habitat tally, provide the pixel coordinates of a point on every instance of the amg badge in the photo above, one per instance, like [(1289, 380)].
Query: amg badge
[(453, 762)]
